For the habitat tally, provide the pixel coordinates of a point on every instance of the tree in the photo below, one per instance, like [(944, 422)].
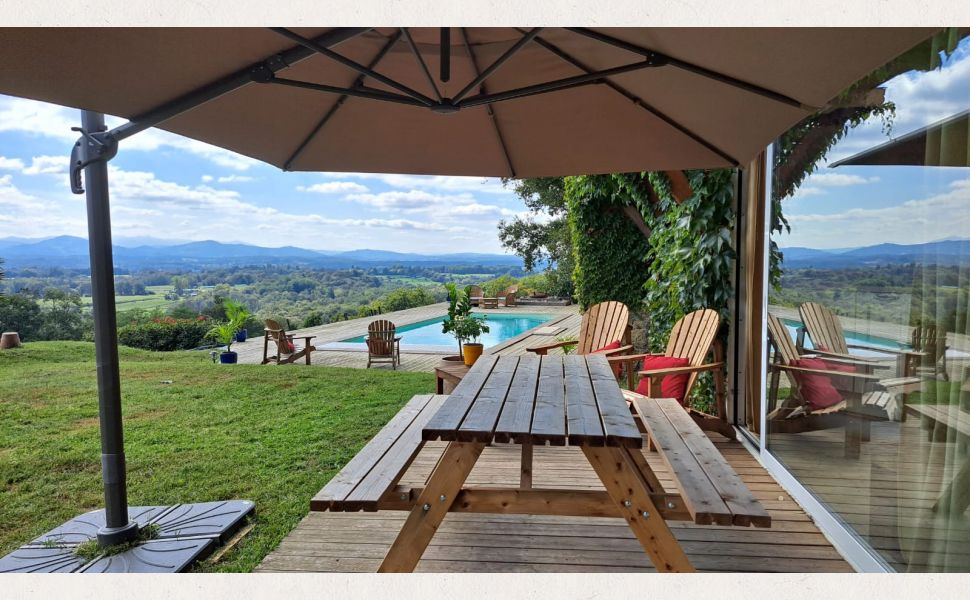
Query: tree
[(63, 319), (542, 239), (21, 313), (180, 282)]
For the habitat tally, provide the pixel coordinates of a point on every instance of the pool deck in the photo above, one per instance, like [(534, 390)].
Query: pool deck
[(565, 317)]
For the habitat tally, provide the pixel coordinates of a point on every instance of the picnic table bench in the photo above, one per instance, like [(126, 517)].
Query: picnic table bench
[(556, 400)]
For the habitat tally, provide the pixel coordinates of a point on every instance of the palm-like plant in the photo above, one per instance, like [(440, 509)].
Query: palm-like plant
[(225, 333)]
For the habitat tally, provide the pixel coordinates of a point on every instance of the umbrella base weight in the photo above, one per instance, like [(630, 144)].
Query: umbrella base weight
[(186, 533)]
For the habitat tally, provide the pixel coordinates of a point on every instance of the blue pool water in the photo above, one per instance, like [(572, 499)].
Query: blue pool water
[(851, 337), (428, 333)]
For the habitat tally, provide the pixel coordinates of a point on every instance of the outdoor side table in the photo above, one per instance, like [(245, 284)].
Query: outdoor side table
[(448, 374)]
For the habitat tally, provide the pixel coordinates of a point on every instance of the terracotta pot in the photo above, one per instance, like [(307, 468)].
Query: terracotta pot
[(472, 352)]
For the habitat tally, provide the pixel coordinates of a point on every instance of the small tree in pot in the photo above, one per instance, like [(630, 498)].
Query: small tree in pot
[(462, 324), (225, 333)]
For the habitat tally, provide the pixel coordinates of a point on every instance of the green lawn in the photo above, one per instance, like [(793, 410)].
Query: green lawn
[(274, 435), (154, 300)]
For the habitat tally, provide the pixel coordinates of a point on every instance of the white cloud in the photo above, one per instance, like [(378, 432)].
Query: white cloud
[(915, 221), (51, 121), (236, 179), (334, 187), (11, 164), (207, 178), (408, 200), (51, 165), (838, 180)]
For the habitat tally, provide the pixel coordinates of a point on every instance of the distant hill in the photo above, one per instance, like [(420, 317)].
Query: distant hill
[(942, 252), (72, 253)]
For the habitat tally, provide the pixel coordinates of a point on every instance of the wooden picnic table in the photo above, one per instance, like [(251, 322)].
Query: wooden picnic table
[(535, 400), (942, 421)]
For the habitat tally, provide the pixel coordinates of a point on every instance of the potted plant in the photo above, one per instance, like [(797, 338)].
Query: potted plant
[(225, 333), (463, 324)]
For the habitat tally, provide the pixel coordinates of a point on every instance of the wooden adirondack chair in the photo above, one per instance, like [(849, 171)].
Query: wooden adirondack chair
[(828, 338), (693, 339), (866, 397), (603, 324), (931, 341), (475, 295), (286, 350), (382, 345), (509, 295)]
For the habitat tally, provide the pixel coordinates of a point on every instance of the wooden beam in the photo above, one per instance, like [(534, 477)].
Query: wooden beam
[(433, 504), (563, 503), (628, 489)]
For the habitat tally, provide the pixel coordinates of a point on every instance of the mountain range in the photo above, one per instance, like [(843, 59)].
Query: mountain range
[(72, 253), (940, 252)]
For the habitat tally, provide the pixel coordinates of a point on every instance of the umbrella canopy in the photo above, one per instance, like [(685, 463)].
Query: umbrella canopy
[(945, 143), (455, 101)]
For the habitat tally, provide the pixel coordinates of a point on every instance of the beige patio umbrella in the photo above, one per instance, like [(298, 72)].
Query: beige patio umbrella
[(456, 101), (449, 101)]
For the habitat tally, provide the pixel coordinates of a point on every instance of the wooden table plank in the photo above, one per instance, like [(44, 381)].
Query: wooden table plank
[(549, 419), (618, 423), (583, 423), (516, 420), (738, 498), (700, 496), (392, 465), (361, 464), (444, 424), (479, 423)]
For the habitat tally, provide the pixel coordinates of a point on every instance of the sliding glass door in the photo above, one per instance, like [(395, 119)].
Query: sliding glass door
[(867, 403)]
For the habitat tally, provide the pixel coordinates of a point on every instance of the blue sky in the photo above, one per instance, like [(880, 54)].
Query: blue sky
[(172, 188), (855, 206)]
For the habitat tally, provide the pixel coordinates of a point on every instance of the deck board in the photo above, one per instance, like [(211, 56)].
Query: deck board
[(469, 542)]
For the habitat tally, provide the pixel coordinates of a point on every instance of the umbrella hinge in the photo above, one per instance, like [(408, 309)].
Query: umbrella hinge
[(90, 148), (263, 73)]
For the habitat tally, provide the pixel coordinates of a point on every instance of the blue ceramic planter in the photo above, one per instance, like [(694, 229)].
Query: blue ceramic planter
[(228, 358), (241, 335)]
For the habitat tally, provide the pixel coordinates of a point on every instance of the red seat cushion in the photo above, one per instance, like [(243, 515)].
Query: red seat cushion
[(835, 366), (617, 368), (816, 390), (671, 386)]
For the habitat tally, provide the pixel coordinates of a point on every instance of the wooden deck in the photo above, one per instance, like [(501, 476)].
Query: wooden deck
[(356, 542), (251, 351), (888, 493), (465, 542)]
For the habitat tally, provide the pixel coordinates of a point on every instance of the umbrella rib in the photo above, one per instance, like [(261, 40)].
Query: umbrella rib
[(254, 72), (340, 102), (360, 91), (424, 67), (556, 85), (310, 44), (498, 63), (639, 102), (489, 108), (692, 68)]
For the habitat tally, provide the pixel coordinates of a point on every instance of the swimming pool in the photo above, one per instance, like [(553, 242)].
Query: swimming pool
[(428, 333), (851, 337)]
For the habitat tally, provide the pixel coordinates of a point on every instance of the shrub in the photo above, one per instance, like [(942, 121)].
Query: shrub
[(166, 334), (313, 319), (493, 287)]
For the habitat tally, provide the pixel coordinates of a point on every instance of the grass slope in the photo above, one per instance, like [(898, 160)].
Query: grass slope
[(274, 435)]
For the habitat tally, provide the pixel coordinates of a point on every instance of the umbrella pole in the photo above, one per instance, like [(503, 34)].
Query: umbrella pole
[(118, 528)]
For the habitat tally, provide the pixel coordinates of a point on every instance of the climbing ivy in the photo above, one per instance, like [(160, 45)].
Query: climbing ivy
[(609, 252), (691, 251)]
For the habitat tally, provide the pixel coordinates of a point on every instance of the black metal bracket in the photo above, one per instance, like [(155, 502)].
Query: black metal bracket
[(90, 148)]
